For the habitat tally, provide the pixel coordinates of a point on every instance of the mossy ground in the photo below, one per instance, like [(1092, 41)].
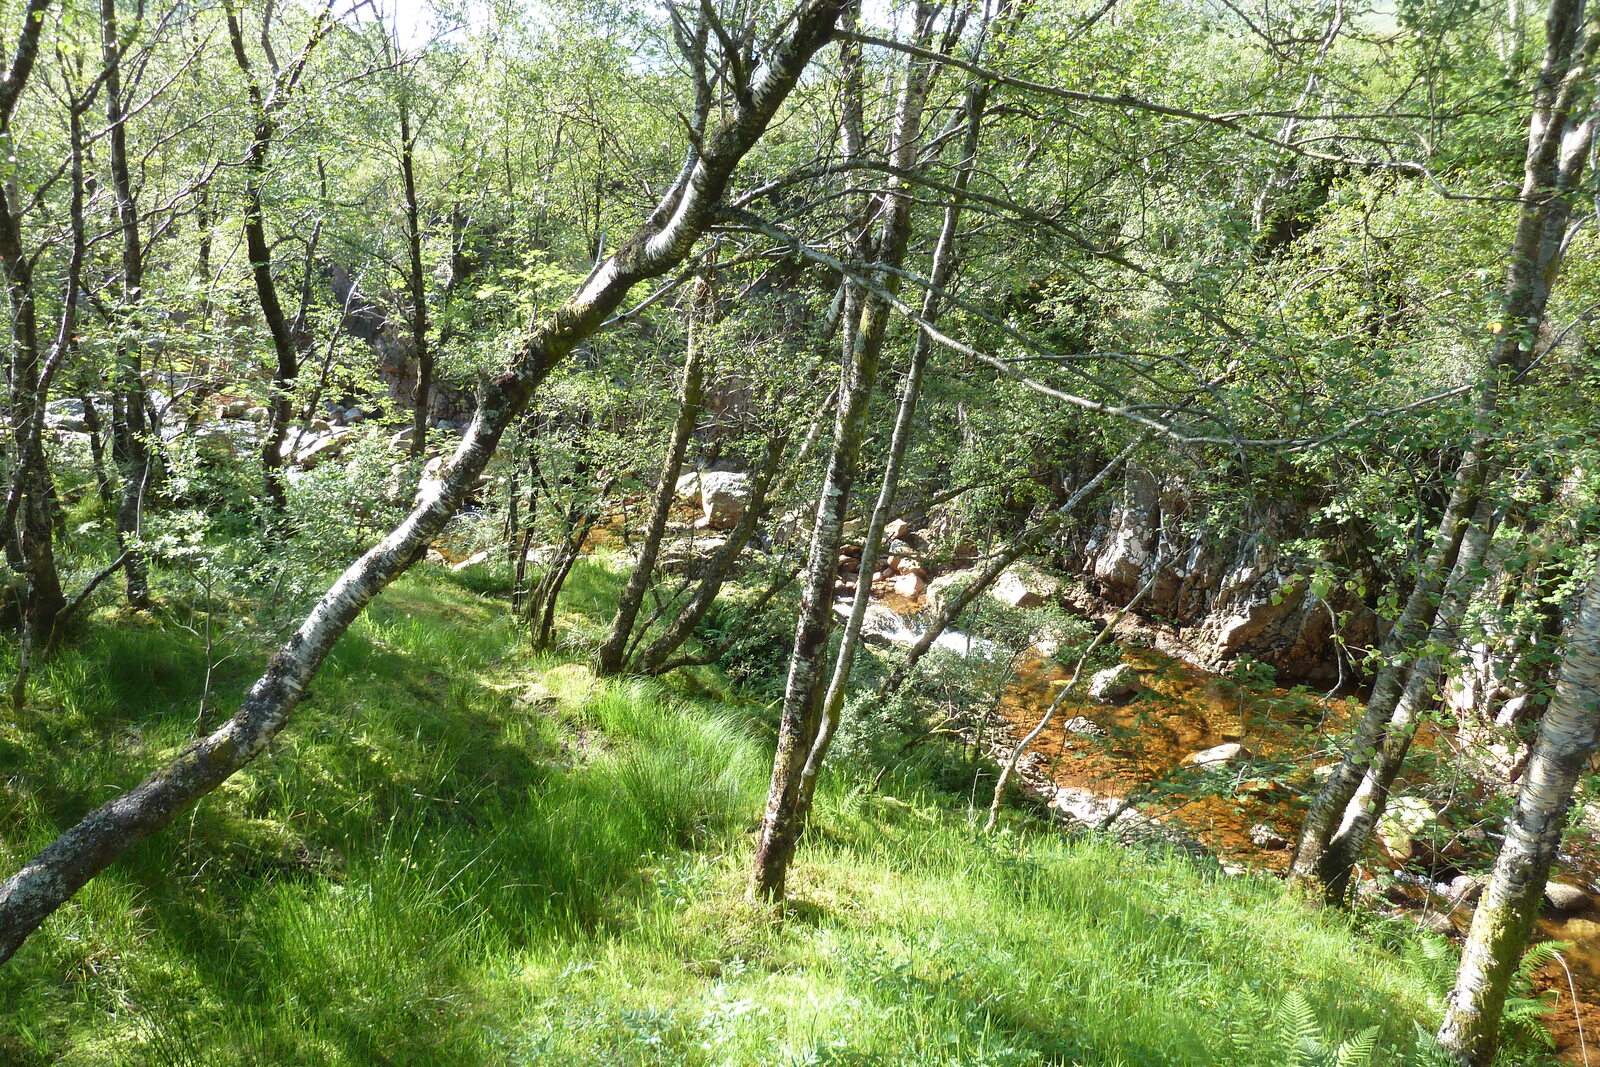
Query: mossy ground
[(464, 853)]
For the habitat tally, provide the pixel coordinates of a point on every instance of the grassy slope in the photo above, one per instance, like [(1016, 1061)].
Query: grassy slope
[(460, 854)]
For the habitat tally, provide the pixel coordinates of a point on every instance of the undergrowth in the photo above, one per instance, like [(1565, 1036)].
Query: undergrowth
[(462, 853)]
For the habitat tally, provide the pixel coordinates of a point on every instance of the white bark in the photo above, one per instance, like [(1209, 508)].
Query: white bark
[(1568, 734)]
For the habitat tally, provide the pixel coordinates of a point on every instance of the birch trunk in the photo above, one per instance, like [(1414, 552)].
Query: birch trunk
[(800, 722), (1367, 805), (872, 544), (51, 877), (1560, 132), (286, 353), (1569, 733), (691, 393), (30, 543)]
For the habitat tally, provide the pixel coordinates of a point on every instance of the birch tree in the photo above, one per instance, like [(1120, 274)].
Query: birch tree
[(660, 243), (1560, 133), (1569, 734)]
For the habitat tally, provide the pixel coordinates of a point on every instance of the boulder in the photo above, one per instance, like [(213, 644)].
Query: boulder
[(1435, 922), (1023, 585), (1083, 727), (894, 530), (1264, 836), (1402, 820), (430, 481), (354, 415), (880, 625), (1565, 897), (1047, 643), (1512, 711), (909, 585), (685, 555), (214, 444), (723, 496), (907, 565), (471, 561), (1219, 757), (401, 440), (687, 487), (1464, 888), (236, 409), (318, 449), (1114, 685), (259, 413), (939, 586)]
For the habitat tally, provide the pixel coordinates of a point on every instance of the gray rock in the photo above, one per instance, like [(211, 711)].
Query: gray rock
[(1512, 711), (940, 586), (1219, 757), (1403, 819), (1464, 888), (1023, 585), (1565, 897), (1114, 685), (723, 496), (214, 444), (1083, 727), (1266, 837), (1435, 922)]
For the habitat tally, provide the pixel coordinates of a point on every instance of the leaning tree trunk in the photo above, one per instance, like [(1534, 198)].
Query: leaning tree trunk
[(609, 657), (1366, 807), (654, 658), (1561, 131), (58, 871), (801, 719), (1569, 733)]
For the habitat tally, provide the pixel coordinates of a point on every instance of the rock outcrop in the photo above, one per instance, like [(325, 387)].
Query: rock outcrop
[(1227, 597)]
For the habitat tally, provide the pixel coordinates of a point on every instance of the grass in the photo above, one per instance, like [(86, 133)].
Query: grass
[(464, 854)]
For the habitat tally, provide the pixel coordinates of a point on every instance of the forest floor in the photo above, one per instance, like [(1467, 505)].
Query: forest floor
[(465, 853)]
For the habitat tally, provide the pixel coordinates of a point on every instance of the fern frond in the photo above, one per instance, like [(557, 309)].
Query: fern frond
[(1298, 1032), (1427, 1052), (1535, 957), (1357, 1051)]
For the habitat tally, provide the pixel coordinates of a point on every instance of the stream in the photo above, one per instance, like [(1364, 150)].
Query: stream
[(1093, 757)]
